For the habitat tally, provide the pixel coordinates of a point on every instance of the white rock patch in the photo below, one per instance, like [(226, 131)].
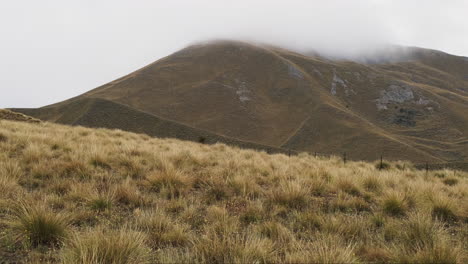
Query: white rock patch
[(336, 82), (242, 91), (295, 72)]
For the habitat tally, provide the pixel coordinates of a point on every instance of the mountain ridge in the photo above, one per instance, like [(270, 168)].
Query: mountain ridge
[(414, 109)]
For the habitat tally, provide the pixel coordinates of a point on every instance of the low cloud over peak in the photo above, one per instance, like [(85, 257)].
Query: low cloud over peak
[(52, 50)]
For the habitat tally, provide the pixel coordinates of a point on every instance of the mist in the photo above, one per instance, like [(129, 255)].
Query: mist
[(52, 50)]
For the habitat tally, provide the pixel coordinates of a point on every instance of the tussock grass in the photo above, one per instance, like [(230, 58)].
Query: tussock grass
[(39, 225), (3, 138), (106, 246), (394, 204), (107, 196), (451, 181)]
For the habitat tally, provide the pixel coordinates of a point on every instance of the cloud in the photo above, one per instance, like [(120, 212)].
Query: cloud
[(52, 50)]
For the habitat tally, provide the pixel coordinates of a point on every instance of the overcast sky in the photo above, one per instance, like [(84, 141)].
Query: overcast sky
[(51, 50)]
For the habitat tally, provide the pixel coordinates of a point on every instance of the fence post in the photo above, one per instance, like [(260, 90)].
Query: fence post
[(381, 162), (427, 168), (344, 158), (289, 153)]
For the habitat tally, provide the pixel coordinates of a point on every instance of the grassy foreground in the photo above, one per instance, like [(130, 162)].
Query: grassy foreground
[(79, 195)]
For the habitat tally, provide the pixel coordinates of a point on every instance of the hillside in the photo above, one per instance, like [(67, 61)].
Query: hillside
[(410, 103), (100, 113), (81, 195), (14, 116)]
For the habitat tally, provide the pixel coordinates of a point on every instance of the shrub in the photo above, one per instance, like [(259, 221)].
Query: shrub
[(99, 246), (39, 225)]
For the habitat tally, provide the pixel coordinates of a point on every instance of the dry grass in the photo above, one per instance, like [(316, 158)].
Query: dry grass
[(78, 195)]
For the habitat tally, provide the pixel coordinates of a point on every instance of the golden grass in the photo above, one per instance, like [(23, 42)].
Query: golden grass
[(79, 195)]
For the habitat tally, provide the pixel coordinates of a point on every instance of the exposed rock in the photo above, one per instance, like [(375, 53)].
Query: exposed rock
[(336, 82), (294, 72), (242, 91), (423, 101), (394, 94)]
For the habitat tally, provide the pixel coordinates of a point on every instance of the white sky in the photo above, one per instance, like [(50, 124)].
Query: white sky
[(51, 50)]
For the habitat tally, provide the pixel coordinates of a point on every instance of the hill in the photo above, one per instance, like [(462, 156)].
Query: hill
[(13, 116), (409, 103), (81, 195), (100, 113)]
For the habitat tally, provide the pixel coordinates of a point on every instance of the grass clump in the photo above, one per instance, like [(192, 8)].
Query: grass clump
[(394, 204), (293, 195), (234, 249), (101, 203), (102, 246), (99, 161), (39, 226), (170, 182), (162, 231), (450, 181), (252, 214), (444, 210), (326, 249), (3, 138), (372, 183)]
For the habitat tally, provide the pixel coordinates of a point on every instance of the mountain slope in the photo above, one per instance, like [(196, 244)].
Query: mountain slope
[(413, 106), (100, 113)]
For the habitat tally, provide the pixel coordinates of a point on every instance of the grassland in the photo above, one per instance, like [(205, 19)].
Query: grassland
[(81, 195)]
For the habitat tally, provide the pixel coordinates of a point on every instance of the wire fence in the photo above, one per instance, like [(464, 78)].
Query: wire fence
[(382, 162)]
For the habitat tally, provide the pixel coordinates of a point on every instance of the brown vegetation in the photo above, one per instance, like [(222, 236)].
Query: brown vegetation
[(14, 116), (80, 195)]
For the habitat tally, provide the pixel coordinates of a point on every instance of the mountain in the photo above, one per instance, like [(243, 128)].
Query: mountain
[(403, 103)]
